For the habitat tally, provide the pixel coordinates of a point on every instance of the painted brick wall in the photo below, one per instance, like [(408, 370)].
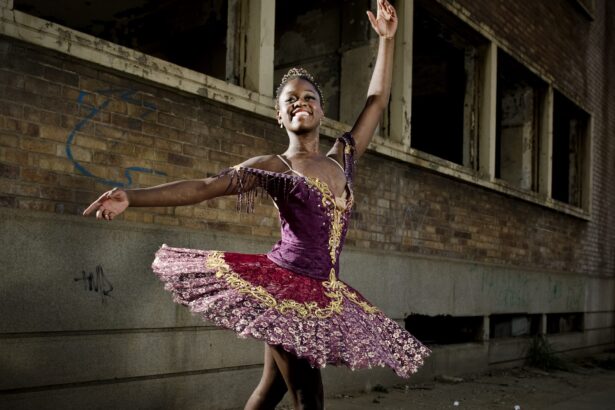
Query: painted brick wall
[(53, 107)]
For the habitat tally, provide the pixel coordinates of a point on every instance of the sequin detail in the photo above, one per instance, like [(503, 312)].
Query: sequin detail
[(351, 338), (336, 292)]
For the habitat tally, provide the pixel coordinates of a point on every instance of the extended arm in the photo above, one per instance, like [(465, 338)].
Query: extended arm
[(188, 192), (385, 25)]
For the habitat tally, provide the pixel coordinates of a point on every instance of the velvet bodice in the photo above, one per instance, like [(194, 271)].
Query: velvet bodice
[(313, 223)]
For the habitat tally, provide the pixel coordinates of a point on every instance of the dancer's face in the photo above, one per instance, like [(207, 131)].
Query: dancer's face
[(300, 106)]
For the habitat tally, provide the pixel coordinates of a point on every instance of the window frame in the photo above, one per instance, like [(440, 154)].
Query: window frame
[(254, 92)]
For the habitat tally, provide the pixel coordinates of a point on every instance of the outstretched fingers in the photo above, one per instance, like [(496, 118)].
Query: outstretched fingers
[(372, 20), (384, 8), (98, 206), (385, 21)]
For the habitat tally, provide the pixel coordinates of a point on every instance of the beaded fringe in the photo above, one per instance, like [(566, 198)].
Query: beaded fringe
[(250, 183)]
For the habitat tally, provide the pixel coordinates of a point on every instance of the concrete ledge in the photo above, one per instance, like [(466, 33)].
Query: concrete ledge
[(74, 359), (212, 391)]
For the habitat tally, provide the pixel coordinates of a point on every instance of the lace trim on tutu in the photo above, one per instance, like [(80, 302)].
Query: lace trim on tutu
[(336, 291)]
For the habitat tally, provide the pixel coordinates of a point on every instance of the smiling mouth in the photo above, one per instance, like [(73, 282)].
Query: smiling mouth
[(299, 112)]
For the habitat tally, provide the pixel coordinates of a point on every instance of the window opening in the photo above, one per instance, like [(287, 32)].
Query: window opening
[(520, 101), (447, 57), (445, 329), (190, 33), (564, 322), (307, 34), (513, 325), (570, 128)]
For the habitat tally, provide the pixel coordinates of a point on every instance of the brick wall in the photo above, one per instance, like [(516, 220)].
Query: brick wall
[(53, 107), (569, 48)]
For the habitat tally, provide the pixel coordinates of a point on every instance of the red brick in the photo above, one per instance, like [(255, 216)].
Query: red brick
[(11, 109), (9, 171), (9, 140), (38, 176), (22, 127), (41, 116), (171, 121), (38, 145), (8, 201), (122, 121), (42, 87), (60, 76), (180, 160), (12, 78)]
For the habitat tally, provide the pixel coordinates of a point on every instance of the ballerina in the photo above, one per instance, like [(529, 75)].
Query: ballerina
[(291, 298)]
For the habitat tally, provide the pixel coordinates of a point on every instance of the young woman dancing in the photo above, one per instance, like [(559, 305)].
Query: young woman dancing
[(291, 298)]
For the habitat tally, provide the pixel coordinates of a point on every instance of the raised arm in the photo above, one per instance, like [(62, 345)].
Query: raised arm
[(177, 193), (385, 25)]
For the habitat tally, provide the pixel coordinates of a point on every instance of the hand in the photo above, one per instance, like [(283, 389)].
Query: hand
[(385, 23), (109, 205)]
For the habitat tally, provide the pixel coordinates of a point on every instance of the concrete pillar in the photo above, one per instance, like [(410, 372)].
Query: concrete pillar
[(486, 324), (487, 109), (543, 324), (6, 4), (587, 160), (545, 155), (233, 21), (400, 107), (469, 109), (251, 55)]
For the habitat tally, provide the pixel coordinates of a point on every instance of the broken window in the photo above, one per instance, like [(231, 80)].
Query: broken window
[(564, 322), (446, 62), (445, 329), (307, 34), (587, 6), (520, 103), (570, 151), (190, 33), (513, 325)]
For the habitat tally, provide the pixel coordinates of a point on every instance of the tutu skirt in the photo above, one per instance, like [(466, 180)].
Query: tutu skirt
[(320, 321)]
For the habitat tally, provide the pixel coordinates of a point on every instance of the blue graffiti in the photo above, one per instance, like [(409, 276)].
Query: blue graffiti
[(124, 95)]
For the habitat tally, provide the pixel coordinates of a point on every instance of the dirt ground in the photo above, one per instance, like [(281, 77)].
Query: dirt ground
[(588, 383)]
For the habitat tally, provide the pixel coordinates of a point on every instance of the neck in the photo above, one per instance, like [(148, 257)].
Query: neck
[(307, 143)]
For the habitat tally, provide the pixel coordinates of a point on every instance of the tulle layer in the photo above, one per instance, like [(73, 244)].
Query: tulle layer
[(323, 322)]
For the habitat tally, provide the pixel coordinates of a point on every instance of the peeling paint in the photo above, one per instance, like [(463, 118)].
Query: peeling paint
[(64, 39)]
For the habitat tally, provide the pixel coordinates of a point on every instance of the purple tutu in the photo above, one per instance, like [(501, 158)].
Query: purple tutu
[(292, 297)]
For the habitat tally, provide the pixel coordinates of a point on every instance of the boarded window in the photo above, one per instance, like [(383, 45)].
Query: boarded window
[(447, 57), (445, 329), (190, 33), (564, 322), (570, 151), (513, 325), (520, 103)]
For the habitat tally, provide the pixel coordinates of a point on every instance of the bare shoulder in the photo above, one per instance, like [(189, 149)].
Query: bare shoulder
[(269, 162), (337, 151)]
